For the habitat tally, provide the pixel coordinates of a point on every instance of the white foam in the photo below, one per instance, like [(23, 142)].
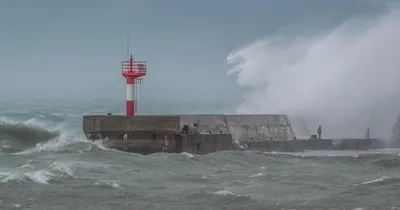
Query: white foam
[(257, 175), (224, 192), (64, 139), (113, 184), (38, 121), (109, 183), (227, 192), (41, 176), (26, 166), (188, 155), (100, 145), (62, 167), (381, 179)]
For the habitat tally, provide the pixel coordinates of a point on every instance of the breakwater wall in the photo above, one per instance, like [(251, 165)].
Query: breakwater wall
[(206, 133)]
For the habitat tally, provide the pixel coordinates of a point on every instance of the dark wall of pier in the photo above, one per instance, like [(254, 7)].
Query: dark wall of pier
[(314, 144), (241, 127), (206, 143), (214, 133), (138, 127)]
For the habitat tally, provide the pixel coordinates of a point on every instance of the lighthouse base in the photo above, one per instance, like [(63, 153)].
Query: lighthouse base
[(202, 134)]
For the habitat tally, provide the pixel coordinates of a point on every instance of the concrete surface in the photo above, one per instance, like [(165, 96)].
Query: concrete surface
[(243, 127), (259, 127), (157, 133), (313, 144), (206, 122)]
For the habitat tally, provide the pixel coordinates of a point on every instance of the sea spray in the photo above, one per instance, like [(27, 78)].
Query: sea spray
[(346, 80)]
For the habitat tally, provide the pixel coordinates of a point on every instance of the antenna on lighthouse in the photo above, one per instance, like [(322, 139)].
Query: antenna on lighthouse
[(127, 45)]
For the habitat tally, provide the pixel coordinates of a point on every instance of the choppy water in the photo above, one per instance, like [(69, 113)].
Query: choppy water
[(46, 163)]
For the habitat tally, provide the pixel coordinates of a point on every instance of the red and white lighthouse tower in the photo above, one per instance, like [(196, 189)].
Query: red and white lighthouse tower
[(132, 70)]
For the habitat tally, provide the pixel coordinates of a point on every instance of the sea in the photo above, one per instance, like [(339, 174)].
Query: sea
[(47, 163)]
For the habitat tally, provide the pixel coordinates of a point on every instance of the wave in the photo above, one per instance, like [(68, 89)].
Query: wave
[(39, 131), (379, 159), (56, 172), (27, 172), (21, 136), (278, 71)]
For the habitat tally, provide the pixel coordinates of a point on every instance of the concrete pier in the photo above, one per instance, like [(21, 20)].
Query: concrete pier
[(314, 144), (203, 134)]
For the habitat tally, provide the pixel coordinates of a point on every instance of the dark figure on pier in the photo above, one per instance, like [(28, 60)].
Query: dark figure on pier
[(319, 132)]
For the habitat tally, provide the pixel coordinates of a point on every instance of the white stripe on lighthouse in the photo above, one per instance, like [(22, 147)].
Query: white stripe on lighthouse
[(129, 92)]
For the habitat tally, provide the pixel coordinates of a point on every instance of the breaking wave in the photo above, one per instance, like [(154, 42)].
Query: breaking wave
[(40, 132), (18, 136), (345, 79)]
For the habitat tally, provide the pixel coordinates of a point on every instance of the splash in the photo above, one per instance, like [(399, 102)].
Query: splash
[(346, 80)]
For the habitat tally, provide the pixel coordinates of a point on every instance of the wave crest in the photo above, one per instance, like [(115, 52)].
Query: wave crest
[(18, 136)]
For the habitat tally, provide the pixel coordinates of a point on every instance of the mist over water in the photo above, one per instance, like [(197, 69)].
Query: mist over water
[(345, 79)]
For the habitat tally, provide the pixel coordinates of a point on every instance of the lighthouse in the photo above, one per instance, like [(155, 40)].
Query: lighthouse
[(132, 71)]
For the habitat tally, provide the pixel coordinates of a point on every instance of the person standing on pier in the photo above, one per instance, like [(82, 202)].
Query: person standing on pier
[(319, 132)]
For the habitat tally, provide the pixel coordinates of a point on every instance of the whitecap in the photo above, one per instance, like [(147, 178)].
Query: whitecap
[(381, 179), (62, 167), (257, 175), (26, 166), (228, 193), (100, 145), (41, 176), (38, 121), (188, 155), (224, 192), (63, 140), (113, 184)]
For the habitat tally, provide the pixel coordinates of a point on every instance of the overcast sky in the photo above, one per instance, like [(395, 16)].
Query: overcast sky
[(70, 49)]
